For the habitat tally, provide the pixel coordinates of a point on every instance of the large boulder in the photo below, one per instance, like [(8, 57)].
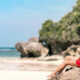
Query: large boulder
[(73, 50), (33, 39), (32, 48), (69, 73)]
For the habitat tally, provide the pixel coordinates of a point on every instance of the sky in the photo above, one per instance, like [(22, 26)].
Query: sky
[(22, 19)]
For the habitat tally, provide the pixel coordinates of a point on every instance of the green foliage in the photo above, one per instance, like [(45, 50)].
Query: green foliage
[(78, 30), (68, 28), (46, 31)]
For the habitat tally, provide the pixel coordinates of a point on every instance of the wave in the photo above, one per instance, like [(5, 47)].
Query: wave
[(7, 49)]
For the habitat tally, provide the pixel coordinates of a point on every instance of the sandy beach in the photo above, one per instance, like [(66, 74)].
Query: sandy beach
[(26, 69), (28, 64), (23, 75)]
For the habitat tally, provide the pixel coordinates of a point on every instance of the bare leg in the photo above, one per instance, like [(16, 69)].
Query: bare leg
[(67, 61), (69, 58)]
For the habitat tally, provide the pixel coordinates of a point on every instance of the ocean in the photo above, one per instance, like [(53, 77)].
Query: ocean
[(9, 52)]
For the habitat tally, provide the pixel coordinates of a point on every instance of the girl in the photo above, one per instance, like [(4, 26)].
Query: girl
[(68, 61)]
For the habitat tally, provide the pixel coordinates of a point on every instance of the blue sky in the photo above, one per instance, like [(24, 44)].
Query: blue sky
[(21, 19)]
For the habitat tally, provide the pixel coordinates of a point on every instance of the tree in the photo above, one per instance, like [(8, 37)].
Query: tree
[(66, 30)]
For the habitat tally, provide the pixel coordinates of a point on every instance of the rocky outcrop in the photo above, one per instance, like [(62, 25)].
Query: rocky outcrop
[(73, 50), (57, 46), (32, 48), (69, 73)]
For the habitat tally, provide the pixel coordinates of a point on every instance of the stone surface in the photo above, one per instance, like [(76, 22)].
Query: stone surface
[(73, 50), (69, 73), (33, 48)]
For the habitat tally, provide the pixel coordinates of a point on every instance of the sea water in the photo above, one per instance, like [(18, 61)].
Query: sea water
[(9, 52)]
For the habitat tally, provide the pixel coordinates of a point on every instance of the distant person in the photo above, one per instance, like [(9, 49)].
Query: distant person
[(68, 61)]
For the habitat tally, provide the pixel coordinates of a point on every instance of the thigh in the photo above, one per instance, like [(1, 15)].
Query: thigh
[(69, 58), (71, 62)]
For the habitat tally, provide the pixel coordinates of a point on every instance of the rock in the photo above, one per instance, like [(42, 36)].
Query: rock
[(33, 48), (33, 39), (20, 46), (69, 73), (73, 50)]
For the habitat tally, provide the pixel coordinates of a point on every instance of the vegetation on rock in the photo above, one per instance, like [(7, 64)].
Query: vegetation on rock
[(67, 29)]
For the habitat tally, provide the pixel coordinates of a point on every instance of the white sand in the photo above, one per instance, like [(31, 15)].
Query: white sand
[(26, 69), (23, 75), (28, 64)]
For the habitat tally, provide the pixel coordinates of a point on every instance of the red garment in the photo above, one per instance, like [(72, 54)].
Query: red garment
[(78, 62)]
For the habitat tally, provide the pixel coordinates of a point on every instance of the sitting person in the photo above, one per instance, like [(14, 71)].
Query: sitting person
[(68, 61)]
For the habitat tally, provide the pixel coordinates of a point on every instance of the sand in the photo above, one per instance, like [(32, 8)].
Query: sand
[(26, 69), (28, 64), (23, 75)]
